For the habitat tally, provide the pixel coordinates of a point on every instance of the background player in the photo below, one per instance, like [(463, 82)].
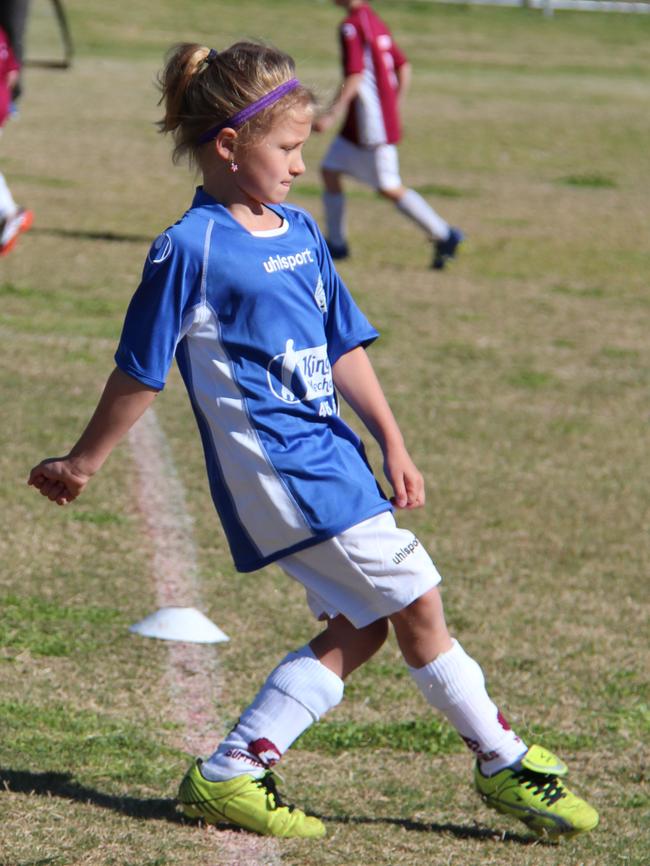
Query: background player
[(243, 292), (376, 77), (13, 20), (13, 219)]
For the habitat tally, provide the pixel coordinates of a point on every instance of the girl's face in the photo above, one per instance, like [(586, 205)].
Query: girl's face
[(268, 168)]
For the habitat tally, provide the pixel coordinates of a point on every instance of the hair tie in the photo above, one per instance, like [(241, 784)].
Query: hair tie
[(240, 118), (212, 55)]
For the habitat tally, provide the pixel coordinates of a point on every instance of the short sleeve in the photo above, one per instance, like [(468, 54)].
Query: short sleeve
[(155, 318), (346, 327), (351, 49), (399, 58)]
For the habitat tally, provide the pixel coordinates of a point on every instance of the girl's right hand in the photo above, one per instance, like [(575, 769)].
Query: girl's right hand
[(57, 479), (405, 478)]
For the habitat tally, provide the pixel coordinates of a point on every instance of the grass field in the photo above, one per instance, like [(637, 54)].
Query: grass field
[(520, 377)]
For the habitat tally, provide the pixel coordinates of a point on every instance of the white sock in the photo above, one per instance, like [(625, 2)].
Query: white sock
[(416, 208), (8, 206), (454, 684), (296, 694), (335, 231)]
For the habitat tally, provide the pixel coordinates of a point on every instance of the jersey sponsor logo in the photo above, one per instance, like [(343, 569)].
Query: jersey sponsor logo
[(319, 295), (300, 375), (288, 263), (160, 249), (403, 552)]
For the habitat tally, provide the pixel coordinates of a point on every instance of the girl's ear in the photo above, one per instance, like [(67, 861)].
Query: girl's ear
[(224, 144)]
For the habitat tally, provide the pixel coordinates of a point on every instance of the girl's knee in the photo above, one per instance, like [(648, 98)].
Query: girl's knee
[(343, 648), (393, 194), (421, 630), (427, 606), (368, 639), (332, 181), (376, 634), (424, 614)]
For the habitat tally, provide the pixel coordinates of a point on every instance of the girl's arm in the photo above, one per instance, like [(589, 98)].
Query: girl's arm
[(356, 381), (123, 401), (348, 91), (403, 80)]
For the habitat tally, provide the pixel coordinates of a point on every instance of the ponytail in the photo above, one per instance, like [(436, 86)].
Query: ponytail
[(201, 88)]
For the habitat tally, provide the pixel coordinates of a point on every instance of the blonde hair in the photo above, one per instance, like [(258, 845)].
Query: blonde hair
[(201, 88)]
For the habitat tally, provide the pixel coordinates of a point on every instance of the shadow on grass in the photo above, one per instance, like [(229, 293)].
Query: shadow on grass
[(79, 234), (63, 785), (458, 830)]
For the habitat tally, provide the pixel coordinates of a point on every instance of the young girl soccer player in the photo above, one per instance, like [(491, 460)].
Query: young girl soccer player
[(376, 75), (242, 291)]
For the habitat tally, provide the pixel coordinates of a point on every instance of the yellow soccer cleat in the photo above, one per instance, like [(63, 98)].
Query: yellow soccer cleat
[(535, 794), (253, 804)]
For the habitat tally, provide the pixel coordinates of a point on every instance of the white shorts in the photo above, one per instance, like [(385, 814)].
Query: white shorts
[(367, 572), (376, 166)]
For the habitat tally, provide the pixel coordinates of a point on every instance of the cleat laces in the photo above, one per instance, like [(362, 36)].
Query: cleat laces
[(549, 788), (268, 784)]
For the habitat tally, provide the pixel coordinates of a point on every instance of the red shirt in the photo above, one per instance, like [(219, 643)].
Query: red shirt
[(367, 47), (8, 63)]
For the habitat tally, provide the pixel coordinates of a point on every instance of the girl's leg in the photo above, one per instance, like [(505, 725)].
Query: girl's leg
[(334, 207), (411, 204), (13, 219), (8, 206), (511, 778), (234, 784), (452, 682), (305, 685), (445, 238), (343, 648)]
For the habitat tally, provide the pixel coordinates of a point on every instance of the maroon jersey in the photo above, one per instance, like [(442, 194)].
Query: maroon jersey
[(8, 63), (368, 48)]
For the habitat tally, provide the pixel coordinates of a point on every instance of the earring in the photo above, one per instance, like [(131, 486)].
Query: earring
[(233, 166)]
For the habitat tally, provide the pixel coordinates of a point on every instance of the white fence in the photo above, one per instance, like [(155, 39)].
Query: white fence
[(549, 6)]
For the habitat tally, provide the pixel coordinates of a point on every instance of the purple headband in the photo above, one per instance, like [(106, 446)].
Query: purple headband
[(240, 118)]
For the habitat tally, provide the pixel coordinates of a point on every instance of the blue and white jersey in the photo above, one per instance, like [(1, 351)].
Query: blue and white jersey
[(256, 322)]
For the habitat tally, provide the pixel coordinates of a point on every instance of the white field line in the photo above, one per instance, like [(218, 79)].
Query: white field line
[(192, 668), (549, 6), (192, 674)]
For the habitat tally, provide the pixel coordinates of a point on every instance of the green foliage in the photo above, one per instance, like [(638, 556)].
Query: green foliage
[(441, 191), (99, 518), (429, 736), (595, 181), (89, 745), (530, 379), (48, 628)]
